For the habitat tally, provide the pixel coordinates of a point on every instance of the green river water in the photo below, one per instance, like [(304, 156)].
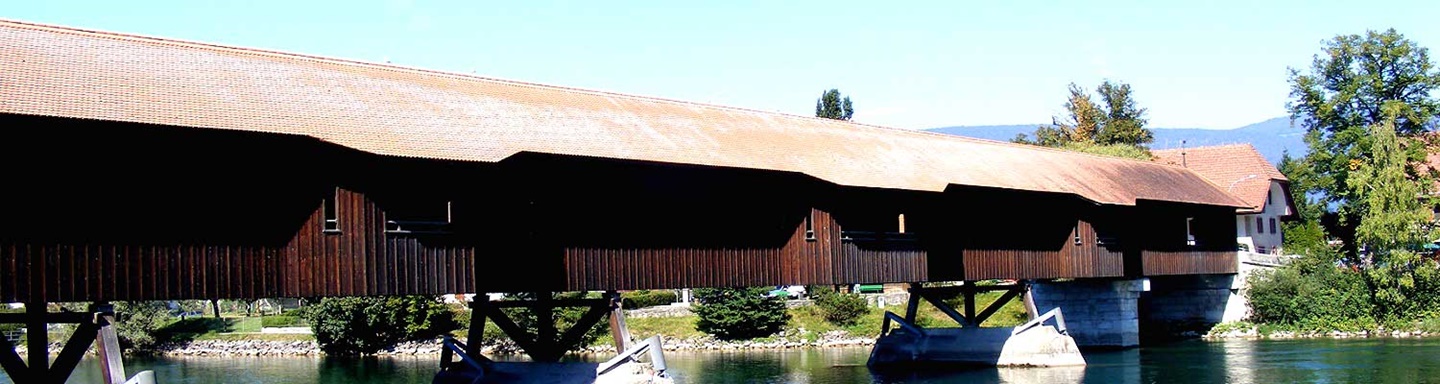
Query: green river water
[(1369, 361)]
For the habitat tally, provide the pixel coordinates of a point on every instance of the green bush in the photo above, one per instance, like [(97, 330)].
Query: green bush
[(365, 325), (739, 313), (137, 323), (280, 321), (642, 299), (841, 309), (1323, 298)]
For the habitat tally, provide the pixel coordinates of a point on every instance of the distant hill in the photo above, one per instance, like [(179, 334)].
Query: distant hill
[(1271, 137)]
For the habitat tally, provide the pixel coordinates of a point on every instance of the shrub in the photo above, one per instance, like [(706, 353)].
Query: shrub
[(138, 321), (280, 321), (642, 299), (1321, 299), (841, 309), (739, 313), (364, 325)]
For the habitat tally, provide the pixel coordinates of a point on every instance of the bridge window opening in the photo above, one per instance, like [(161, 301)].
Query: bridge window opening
[(1189, 231), (332, 212), (810, 226), (421, 216), (874, 227)]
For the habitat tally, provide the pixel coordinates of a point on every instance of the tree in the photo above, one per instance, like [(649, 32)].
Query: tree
[(831, 106), (1352, 87), (1124, 122), (1115, 120), (739, 313), (364, 325), (1392, 226), (138, 322)]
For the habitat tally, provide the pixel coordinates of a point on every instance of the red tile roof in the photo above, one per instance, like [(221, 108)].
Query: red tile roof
[(398, 111), (1238, 169)]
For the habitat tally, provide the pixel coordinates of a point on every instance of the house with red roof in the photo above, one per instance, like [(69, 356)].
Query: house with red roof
[(1242, 171)]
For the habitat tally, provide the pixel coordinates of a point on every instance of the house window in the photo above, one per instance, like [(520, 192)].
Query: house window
[(1260, 224), (332, 212), (419, 217), (1272, 226)]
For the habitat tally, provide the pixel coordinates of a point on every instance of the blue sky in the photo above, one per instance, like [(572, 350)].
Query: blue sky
[(916, 64)]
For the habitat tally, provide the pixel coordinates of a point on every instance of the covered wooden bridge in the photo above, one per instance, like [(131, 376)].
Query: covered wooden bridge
[(151, 169)]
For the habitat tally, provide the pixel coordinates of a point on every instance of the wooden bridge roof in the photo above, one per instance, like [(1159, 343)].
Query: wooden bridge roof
[(398, 111)]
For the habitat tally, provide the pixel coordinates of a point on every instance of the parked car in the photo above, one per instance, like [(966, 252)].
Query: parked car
[(787, 291)]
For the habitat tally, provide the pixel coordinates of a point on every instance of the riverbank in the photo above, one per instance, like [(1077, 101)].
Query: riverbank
[(224, 348), (1253, 332)]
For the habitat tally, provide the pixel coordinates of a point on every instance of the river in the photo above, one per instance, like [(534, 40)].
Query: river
[(1369, 361)]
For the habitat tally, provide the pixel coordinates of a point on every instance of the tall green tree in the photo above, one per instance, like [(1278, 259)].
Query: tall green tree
[(1392, 227), (831, 105), (1115, 120), (1356, 83)]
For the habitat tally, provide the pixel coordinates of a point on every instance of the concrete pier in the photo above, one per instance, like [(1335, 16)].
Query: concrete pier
[(1100, 313), (1040, 346)]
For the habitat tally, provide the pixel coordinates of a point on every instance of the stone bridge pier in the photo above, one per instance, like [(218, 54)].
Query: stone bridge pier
[(1120, 313)]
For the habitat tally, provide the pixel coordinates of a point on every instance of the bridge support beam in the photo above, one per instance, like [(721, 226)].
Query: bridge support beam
[(1037, 343), (94, 327), (546, 344)]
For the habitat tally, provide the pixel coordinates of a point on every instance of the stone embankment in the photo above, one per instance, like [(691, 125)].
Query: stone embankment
[(1254, 334)]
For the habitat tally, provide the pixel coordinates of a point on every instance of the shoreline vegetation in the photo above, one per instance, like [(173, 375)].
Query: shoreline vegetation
[(675, 324)]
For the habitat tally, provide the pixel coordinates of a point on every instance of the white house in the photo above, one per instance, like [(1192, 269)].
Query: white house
[(1242, 171)]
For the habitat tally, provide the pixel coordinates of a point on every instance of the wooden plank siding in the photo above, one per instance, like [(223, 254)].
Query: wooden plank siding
[(1071, 260), (1158, 263), (313, 264)]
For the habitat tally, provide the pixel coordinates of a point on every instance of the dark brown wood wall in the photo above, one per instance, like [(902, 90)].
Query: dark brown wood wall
[(1087, 259), (135, 221), (361, 259), (1165, 250), (797, 261)]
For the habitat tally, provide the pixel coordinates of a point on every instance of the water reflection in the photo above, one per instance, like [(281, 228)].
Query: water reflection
[(1368, 361)]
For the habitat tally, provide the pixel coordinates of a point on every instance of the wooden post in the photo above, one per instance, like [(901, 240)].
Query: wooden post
[(1028, 297), (913, 306), (477, 324), (545, 323), (618, 329), (37, 336), (112, 371), (970, 306)]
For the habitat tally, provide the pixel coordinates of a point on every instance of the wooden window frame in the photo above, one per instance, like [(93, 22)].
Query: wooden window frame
[(331, 213)]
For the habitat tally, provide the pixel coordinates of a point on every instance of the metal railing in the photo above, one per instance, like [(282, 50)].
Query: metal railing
[(906, 325), (451, 348), (652, 345), (1053, 314)]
